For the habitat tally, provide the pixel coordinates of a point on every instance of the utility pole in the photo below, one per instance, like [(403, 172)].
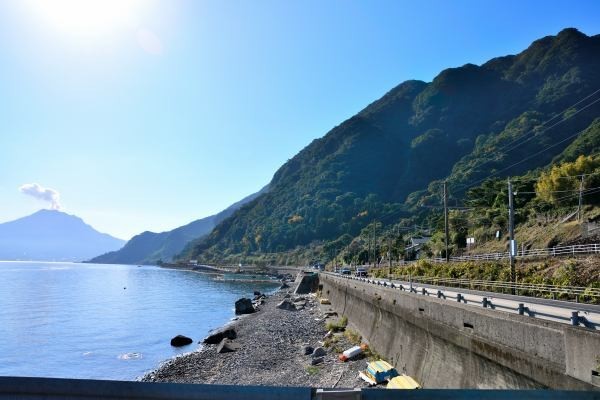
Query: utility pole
[(374, 244), (580, 199), (511, 234), (390, 253), (369, 250), (446, 233)]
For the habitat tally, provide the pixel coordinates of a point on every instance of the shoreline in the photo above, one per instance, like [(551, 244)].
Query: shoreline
[(271, 343)]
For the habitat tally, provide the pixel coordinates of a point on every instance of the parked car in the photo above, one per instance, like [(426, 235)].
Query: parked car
[(346, 271), (361, 272)]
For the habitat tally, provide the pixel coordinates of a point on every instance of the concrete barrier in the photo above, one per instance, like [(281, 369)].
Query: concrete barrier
[(451, 345), (308, 282)]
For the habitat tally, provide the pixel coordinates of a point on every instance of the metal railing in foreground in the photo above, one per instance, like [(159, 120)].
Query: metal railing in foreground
[(73, 389)]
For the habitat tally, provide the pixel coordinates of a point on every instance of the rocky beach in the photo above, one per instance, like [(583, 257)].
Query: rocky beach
[(284, 343)]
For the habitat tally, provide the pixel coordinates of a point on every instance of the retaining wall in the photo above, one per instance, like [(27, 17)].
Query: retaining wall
[(447, 345)]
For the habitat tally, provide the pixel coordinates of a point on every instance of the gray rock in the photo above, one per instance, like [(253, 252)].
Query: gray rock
[(218, 335), (287, 296), (307, 350), (284, 286), (319, 352), (227, 346), (286, 305), (317, 360), (244, 306), (180, 340)]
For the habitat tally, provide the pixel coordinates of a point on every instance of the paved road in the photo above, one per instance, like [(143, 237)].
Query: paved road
[(587, 315)]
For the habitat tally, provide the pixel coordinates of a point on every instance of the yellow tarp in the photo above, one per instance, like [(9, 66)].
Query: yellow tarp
[(403, 382)]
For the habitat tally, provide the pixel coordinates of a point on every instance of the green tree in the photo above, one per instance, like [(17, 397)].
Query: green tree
[(562, 182)]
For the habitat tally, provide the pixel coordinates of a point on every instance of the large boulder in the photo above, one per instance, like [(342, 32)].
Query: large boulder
[(180, 340), (244, 306), (227, 346), (218, 335), (286, 304)]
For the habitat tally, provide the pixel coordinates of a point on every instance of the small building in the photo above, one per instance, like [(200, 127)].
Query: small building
[(416, 244)]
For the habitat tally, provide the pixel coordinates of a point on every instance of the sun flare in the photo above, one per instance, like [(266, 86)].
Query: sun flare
[(87, 17)]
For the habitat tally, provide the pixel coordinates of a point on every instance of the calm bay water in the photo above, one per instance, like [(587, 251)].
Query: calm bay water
[(105, 321)]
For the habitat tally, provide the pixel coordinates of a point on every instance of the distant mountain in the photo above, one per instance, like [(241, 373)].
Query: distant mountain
[(50, 235), (150, 247), (388, 161)]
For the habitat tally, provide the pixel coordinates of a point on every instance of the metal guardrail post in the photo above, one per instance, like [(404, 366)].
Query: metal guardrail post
[(459, 297), (439, 294), (521, 308), (484, 302)]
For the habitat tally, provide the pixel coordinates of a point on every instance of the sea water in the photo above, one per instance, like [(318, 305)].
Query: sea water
[(97, 321)]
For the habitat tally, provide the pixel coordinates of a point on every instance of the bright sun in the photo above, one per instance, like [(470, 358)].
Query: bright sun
[(88, 17)]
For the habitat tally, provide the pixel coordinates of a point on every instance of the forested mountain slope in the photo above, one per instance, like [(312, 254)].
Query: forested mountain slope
[(150, 247), (508, 116)]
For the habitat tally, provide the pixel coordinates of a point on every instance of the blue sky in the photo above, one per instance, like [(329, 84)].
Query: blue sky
[(149, 119)]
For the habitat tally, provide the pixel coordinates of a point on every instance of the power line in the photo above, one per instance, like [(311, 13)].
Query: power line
[(518, 162), (556, 191), (585, 192), (550, 127), (501, 148)]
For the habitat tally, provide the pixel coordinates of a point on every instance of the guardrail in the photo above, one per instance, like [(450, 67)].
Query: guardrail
[(558, 251), (555, 292), (569, 312), (15, 388)]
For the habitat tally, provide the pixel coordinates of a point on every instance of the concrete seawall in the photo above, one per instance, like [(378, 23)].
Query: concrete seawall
[(452, 345)]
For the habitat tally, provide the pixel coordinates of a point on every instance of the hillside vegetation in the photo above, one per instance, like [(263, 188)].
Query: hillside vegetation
[(155, 248), (382, 169)]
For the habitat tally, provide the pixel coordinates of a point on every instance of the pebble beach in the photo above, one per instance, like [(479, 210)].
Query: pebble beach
[(271, 345)]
